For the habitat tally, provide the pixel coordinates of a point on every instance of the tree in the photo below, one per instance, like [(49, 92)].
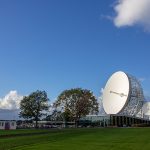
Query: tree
[(55, 116), (77, 103), (34, 105)]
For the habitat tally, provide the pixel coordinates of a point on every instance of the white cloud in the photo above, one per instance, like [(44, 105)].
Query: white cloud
[(132, 12), (11, 101)]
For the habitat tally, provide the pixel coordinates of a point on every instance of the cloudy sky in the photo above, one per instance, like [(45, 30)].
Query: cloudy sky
[(56, 45)]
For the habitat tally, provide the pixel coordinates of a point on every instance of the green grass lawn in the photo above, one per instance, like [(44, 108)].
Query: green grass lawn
[(81, 139), (21, 131)]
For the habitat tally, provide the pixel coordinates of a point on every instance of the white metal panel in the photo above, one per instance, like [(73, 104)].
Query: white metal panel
[(116, 93)]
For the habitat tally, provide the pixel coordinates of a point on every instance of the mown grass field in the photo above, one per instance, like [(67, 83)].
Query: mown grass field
[(77, 139), (14, 132)]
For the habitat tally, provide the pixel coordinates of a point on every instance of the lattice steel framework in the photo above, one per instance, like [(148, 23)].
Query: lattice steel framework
[(135, 98)]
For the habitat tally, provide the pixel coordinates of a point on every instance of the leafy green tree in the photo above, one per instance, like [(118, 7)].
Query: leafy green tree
[(55, 116), (34, 105), (77, 103)]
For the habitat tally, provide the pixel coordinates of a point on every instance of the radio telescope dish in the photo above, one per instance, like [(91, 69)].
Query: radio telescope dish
[(122, 95)]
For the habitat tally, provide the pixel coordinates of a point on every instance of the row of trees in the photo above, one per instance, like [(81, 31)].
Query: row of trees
[(70, 105)]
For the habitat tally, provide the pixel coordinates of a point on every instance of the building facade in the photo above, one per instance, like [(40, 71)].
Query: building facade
[(7, 125)]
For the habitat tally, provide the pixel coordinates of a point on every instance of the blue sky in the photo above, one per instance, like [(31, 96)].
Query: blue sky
[(54, 45)]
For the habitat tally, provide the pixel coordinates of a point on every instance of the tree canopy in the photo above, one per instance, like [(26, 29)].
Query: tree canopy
[(77, 103), (32, 106)]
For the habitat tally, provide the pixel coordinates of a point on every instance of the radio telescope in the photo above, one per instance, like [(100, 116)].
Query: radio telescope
[(122, 95)]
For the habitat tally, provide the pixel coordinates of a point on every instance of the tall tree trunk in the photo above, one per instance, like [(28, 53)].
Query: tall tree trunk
[(36, 122), (76, 122), (76, 125)]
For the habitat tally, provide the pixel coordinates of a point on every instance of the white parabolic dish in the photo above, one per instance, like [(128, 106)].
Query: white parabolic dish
[(116, 93)]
